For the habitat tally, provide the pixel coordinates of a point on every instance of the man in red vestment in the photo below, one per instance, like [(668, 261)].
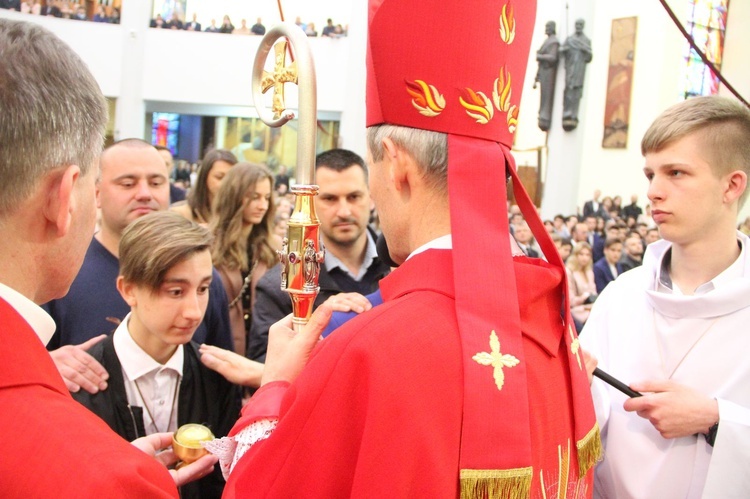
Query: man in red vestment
[(467, 381), (52, 118)]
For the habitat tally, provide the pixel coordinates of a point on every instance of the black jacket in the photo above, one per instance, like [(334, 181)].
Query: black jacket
[(205, 398), (272, 304)]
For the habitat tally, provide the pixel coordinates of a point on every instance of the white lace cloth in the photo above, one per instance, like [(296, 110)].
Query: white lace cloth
[(229, 450)]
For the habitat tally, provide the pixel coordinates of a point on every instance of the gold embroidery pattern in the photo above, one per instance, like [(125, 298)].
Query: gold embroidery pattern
[(512, 118), (507, 25), (560, 485), (478, 106), (575, 345), (502, 91), (563, 469), (425, 98), (497, 360), (501, 95)]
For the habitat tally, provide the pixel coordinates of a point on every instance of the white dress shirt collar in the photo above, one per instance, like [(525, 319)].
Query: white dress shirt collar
[(39, 320), (371, 252), (734, 271), (135, 361), (442, 242)]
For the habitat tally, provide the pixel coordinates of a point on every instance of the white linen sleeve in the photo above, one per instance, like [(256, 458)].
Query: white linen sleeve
[(730, 459)]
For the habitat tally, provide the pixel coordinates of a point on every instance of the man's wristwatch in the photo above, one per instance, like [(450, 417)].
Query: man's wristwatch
[(711, 435)]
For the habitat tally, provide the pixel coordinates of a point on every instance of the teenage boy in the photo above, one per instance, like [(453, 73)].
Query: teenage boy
[(157, 382), (675, 328), (608, 267)]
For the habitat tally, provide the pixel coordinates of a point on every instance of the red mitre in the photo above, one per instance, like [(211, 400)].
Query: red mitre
[(458, 68)]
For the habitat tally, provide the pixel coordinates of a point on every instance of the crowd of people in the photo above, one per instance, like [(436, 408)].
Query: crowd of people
[(65, 10), (227, 26), (104, 13), (450, 325), (598, 243)]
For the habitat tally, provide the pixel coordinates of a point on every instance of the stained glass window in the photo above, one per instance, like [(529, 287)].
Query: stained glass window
[(706, 23), (165, 130)]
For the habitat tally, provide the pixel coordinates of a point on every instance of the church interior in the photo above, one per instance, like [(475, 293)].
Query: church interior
[(192, 90)]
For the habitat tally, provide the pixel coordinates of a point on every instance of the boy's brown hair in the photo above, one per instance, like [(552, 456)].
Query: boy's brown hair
[(153, 244)]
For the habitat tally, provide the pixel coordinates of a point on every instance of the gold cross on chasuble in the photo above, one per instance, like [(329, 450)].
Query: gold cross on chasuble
[(281, 74), (497, 360), (575, 346)]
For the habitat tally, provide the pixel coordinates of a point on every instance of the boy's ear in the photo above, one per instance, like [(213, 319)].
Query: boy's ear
[(736, 185), (127, 291)]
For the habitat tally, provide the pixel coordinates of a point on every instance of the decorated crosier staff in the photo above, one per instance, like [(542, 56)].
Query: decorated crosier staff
[(301, 254)]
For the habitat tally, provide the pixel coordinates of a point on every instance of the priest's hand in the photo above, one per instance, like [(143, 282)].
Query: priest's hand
[(288, 351), (235, 368), (674, 409), (79, 369), (349, 302), (591, 362), (159, 446)]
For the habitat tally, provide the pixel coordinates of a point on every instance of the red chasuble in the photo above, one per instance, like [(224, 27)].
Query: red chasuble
[(52, 445), (378, 410)]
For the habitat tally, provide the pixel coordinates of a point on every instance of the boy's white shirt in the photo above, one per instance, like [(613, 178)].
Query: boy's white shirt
[(640, 330), (156, 382)]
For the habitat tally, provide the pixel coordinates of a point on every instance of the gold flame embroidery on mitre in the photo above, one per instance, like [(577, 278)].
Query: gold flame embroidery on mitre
[(507, 25), (425, 98), (497, 360), (501, 92), (478, 106), (512, 118)]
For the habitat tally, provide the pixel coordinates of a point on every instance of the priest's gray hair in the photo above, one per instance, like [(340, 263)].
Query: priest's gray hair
[(52, 112), (721, 124), (428, 149)]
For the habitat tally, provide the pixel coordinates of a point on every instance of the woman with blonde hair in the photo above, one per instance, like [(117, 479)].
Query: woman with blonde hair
[(198, 206), (244, 245), (581, 283)]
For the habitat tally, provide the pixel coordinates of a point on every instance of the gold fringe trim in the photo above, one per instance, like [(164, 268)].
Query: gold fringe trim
[(590, 450), (488, 484)]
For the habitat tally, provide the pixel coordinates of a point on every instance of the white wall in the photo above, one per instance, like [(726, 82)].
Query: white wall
[(656, 84), (735, 67), (223, 78), (180, 71)]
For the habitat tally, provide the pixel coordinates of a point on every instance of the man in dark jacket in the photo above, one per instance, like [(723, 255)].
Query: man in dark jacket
[(607, 269), (352, 268), (93, 306)]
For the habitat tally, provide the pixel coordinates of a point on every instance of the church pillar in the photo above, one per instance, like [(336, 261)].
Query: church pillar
[(130, 110), (352, 130)]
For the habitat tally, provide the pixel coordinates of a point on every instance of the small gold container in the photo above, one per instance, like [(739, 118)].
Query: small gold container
[(186, 442)]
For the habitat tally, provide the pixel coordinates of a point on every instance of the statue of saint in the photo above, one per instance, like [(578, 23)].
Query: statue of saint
[(577, 53), (546, 75), (310, 265)]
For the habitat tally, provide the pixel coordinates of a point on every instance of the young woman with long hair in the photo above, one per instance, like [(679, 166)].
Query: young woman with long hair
[(244, 244), (214, 167), (581, 284)]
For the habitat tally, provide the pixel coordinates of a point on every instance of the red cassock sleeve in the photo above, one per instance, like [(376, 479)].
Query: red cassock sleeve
[(53, 446), (375, 414)]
